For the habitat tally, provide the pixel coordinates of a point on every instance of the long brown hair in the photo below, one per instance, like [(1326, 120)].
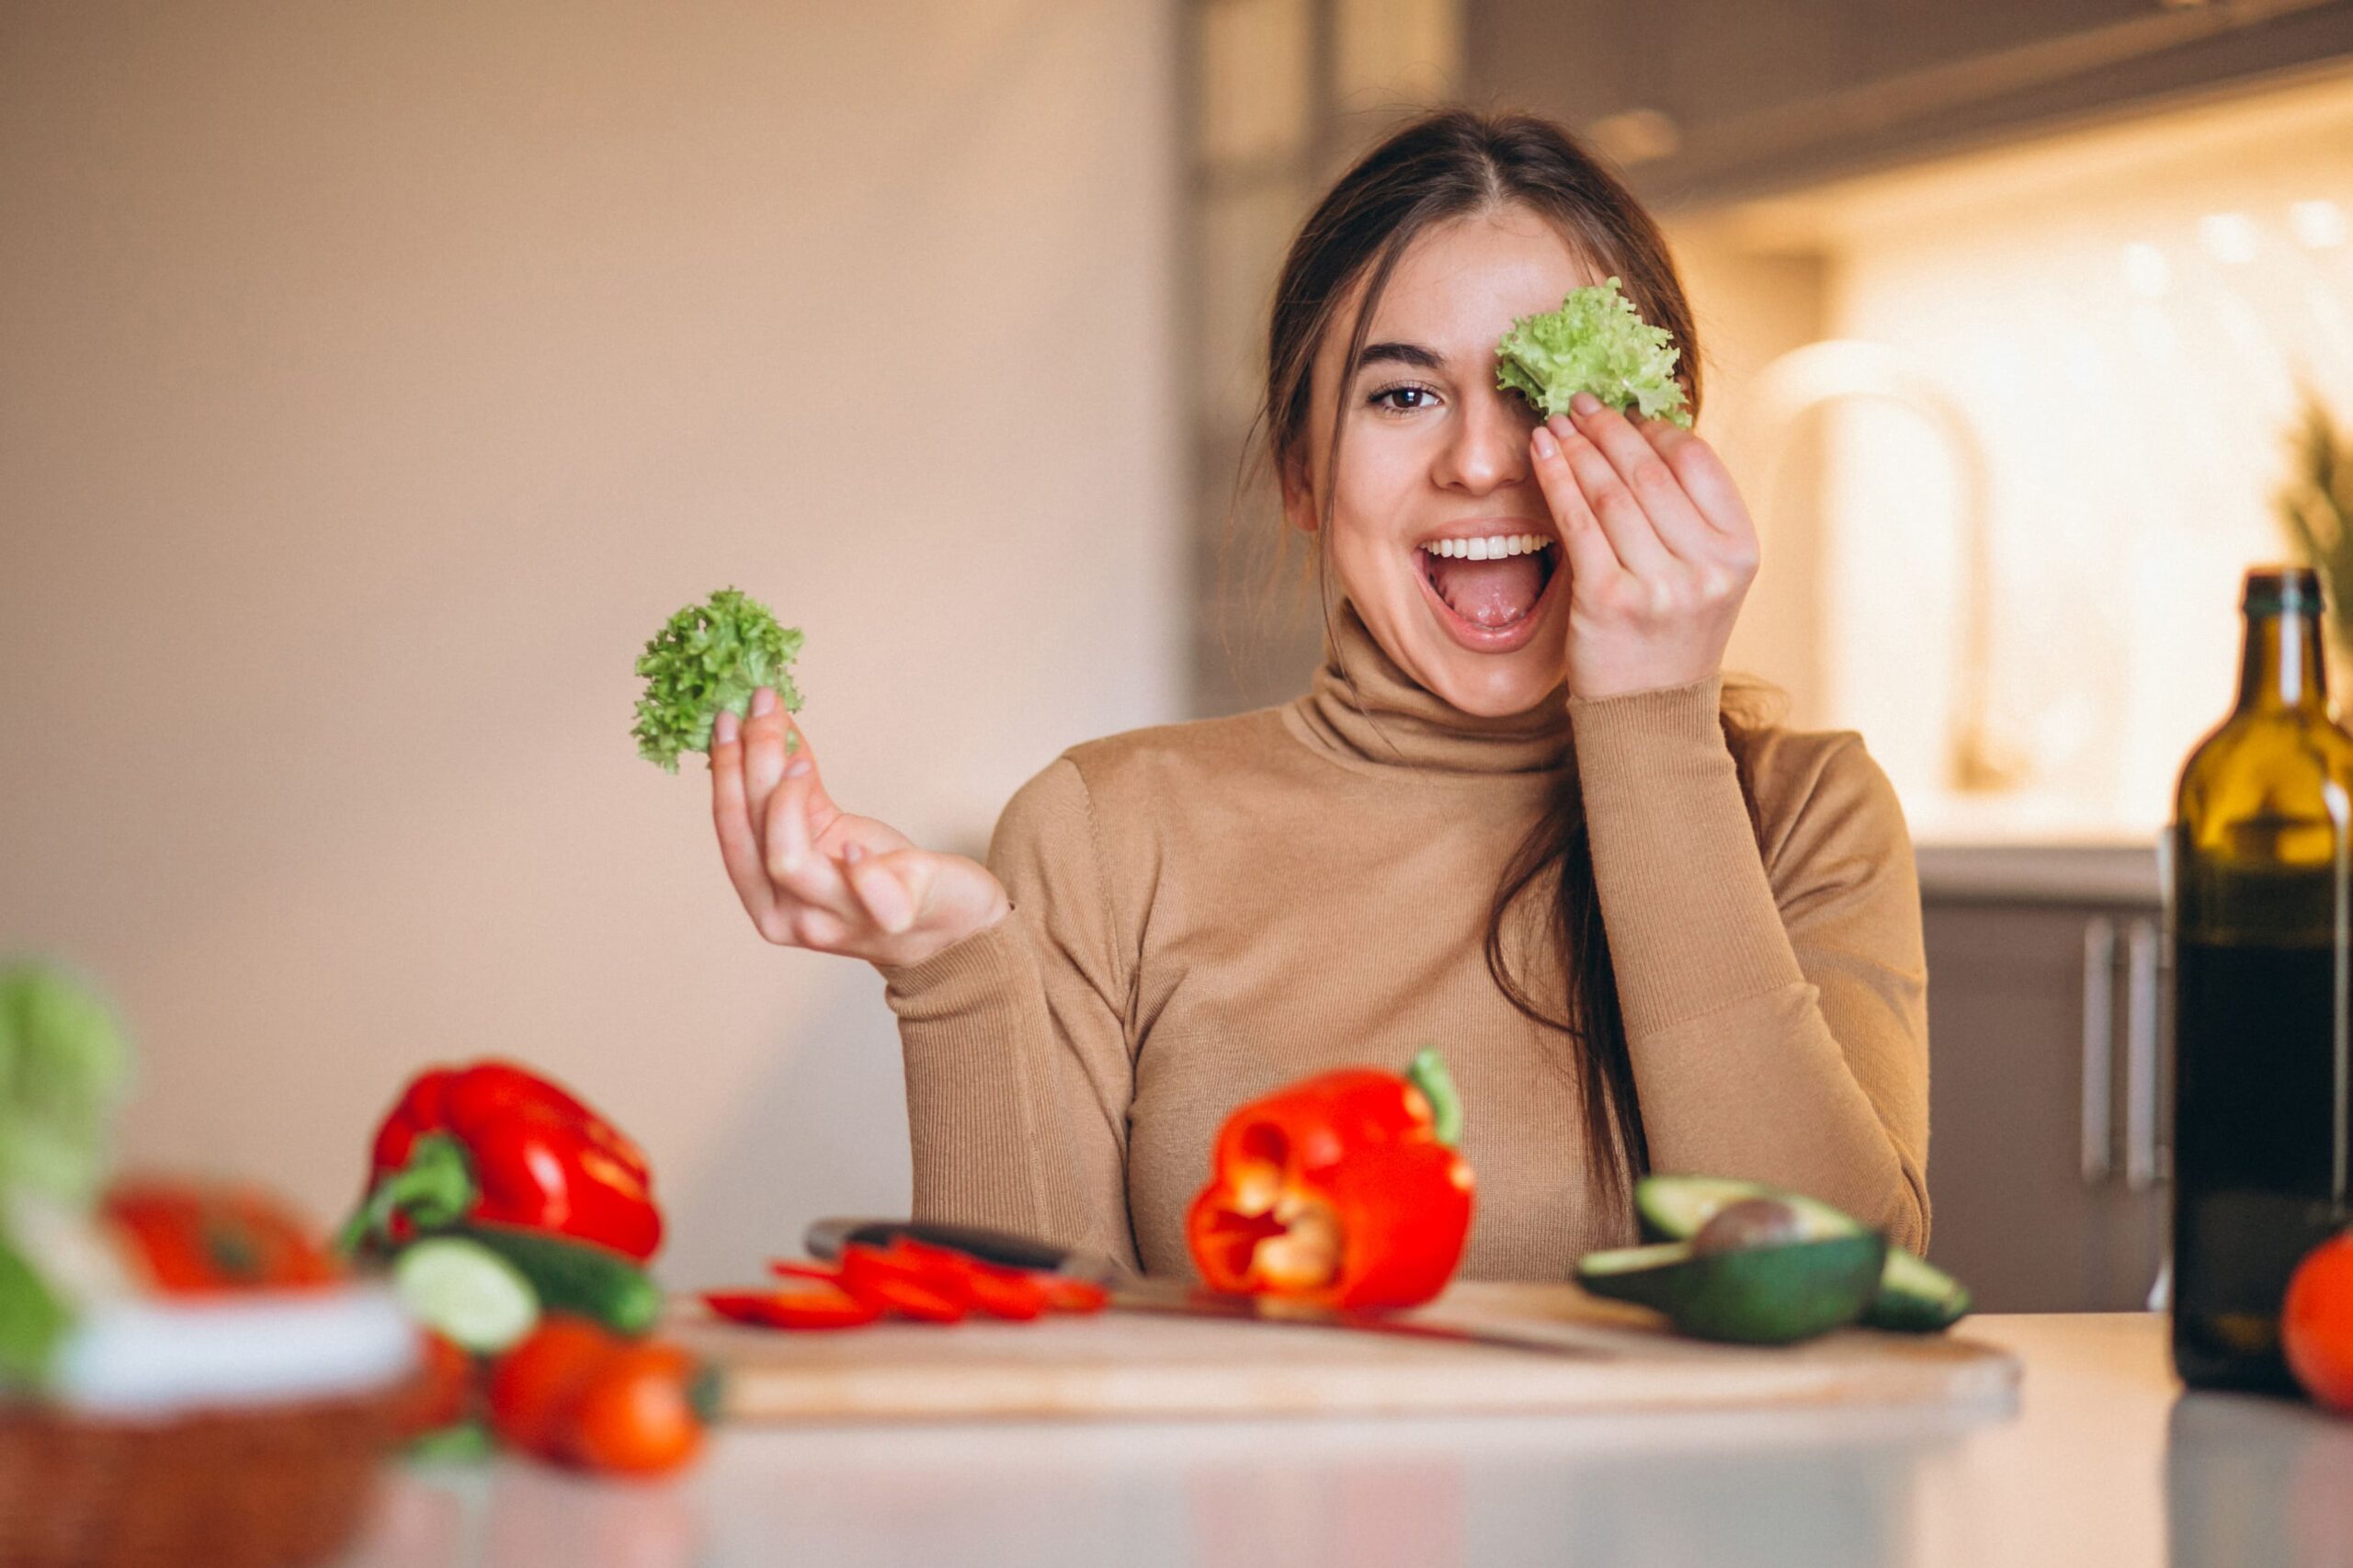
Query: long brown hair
[(1448, 165)]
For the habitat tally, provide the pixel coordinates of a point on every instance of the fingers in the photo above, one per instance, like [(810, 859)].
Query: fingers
[(810, 887), (739, 847), (1591, 560), (764, 730), (1632, 473), (892, 888), (1631, 533), (1704, 476)]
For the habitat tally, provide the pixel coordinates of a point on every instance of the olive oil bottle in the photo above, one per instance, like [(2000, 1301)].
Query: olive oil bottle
[(2262, 897)]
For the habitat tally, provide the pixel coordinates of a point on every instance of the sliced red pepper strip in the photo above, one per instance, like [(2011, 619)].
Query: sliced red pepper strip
[(902, 1288), (803, 1309), (1066, 1295), (1001, 1293)]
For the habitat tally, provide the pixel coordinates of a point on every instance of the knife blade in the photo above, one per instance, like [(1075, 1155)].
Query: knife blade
[(1130, 1291)]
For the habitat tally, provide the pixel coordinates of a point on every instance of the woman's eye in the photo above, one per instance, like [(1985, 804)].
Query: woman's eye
[(1421, 397)]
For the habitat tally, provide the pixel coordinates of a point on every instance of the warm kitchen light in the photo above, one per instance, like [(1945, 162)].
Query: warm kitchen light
[(2317, 224), (2146, 271), (2228, 236)]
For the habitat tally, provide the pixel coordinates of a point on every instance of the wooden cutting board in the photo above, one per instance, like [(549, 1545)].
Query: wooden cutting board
[(1119, 1364)]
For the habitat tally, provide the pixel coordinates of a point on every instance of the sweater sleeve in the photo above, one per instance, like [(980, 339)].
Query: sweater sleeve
[(1017, 1067), (1775, 998)]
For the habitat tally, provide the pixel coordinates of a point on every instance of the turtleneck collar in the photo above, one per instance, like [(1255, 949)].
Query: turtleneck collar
[(1363, 709)]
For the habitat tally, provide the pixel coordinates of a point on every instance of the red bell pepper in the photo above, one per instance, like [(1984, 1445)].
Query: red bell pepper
[(1342, 1190), (494, 1142)]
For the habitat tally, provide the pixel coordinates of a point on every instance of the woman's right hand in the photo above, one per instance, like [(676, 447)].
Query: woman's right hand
[(813, 876)]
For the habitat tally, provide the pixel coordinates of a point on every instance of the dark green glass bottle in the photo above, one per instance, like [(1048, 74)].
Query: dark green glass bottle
[(2262, 865)]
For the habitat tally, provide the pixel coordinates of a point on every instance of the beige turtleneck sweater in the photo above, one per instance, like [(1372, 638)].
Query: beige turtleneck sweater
[(1204, 912)]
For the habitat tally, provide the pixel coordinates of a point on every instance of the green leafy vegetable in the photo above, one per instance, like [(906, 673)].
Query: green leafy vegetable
[(33, 1318), (709, 656), (1597, 342), (63, 1065)]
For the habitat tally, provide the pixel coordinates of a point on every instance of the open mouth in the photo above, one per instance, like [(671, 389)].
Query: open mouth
[(1490, 590)]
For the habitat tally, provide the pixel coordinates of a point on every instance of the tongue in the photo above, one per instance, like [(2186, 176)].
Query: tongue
[(1489, 593)]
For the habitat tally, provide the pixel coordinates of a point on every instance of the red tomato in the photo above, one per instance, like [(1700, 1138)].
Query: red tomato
[(2316, 1322), (206, 1238), (635, 1415), (533, 1386), (441, 1393)]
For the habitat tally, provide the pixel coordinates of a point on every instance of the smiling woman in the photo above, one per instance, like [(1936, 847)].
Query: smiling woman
[(1513, 816)]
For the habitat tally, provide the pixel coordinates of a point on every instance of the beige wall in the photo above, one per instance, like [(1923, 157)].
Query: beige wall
[(373, 381)]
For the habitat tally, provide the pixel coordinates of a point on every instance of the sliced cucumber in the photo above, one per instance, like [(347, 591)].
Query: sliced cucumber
[(465, 1293), (575, 1276)]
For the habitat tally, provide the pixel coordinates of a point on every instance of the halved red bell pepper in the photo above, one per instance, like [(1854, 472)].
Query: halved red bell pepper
[(1342, 1190), (493, 1142)]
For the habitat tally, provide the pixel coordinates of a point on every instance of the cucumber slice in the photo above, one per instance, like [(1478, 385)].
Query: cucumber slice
[(575, 1276), (465, 1293)]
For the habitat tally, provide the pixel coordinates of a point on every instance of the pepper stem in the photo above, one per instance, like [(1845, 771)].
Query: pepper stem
[(436, 1187), (1429, 1074)]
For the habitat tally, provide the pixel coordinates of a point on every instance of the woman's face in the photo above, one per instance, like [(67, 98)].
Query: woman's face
[(1435, 505)]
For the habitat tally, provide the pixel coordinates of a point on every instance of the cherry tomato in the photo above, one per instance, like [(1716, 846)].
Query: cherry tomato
[(207, 1238), (532, 1386), (441, 1393), (635, 1415), (2316, 1322)]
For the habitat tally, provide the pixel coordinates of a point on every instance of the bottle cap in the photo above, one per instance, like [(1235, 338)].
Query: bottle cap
[(2282, 590)]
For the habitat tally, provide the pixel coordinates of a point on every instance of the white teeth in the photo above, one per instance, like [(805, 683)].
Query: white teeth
[(1494, 549)]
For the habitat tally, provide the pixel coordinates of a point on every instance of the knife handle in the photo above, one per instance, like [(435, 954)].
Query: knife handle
[(825, 1238)]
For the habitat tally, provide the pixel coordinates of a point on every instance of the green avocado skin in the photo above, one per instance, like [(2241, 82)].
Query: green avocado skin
[(1914, 1296), (1766, 1295)]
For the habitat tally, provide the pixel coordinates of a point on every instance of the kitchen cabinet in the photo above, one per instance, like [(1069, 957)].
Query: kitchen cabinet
[(2049, 1037), (1706, 100)]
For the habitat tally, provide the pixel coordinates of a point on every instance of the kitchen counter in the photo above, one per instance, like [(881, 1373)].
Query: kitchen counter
[(2040, 873), (2103, 1461)]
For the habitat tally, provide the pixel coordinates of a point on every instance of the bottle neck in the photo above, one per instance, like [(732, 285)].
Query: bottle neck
[(2281, 669)]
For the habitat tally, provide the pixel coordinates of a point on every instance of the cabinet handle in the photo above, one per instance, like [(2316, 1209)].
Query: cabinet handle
[(2099, 1031), (2141, 1056)]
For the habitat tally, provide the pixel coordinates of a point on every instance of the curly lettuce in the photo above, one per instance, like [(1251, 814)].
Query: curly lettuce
[(708, 657), (1597, 342), (63, 1067)]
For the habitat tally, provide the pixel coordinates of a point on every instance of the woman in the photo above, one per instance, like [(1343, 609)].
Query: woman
[(1511, 817)]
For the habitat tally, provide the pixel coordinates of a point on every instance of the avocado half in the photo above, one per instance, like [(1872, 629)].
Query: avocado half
[(1914, 1296), (1761, 1295)]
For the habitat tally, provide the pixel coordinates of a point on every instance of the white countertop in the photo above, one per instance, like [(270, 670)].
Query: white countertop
[(2102, 1464)]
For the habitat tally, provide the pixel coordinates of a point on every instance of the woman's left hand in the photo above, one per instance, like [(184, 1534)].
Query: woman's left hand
[(1659, 548)]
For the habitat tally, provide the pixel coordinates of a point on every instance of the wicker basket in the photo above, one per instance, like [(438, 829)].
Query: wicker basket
[(261, 1488)]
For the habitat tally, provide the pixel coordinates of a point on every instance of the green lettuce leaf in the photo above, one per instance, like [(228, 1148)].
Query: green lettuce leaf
[(1597, 342), (62, 1068), (708, 657)]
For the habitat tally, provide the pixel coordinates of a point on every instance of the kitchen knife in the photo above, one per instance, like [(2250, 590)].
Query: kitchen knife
[(1130, 1291)]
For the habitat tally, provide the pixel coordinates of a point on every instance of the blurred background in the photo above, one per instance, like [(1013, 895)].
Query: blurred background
[(374, 382)]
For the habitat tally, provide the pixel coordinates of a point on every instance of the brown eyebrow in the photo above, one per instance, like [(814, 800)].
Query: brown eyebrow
[(1412, 354)]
